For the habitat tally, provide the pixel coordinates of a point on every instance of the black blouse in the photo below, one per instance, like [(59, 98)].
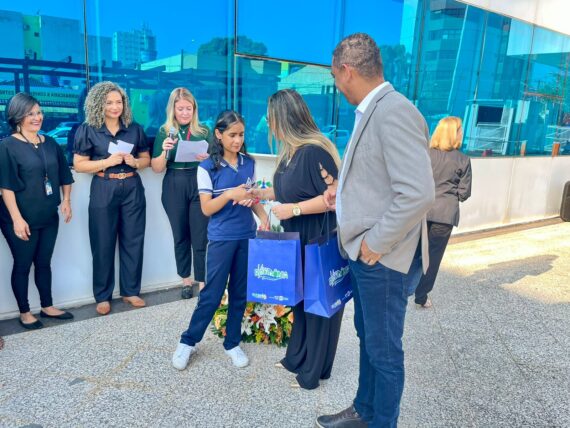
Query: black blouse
[(23, 171), (301, 180), (95, 143)]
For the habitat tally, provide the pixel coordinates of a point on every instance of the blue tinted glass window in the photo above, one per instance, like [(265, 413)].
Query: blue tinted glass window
[(259, 79), (46, 54), (544, 124), (298, 31), (395, 36), (150, 51)]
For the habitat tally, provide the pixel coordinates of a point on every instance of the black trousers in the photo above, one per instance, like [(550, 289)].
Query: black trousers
[(312, 347), (117, 210), (38, 250), (438, 237), (181, 202)]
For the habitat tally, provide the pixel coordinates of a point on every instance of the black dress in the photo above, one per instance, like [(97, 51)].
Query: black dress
[(314, 339)]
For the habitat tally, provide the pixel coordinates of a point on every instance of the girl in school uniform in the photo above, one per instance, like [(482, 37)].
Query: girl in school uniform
[(223, 185)]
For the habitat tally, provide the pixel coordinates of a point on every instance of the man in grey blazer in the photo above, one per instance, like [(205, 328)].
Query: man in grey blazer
[(384, 191)]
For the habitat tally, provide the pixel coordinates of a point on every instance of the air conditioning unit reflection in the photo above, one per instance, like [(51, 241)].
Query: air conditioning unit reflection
[(487, 126)]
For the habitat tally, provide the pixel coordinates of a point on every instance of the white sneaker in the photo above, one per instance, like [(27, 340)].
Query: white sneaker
[(182, 355), (239, 359)]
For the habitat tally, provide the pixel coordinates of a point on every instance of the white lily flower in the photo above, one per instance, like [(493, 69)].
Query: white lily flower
[(246, 325), (266, 316)]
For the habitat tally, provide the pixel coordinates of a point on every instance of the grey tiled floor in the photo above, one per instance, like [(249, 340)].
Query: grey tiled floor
[(494, 351)]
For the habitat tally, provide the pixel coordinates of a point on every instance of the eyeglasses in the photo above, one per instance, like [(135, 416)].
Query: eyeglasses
[(33, 114)]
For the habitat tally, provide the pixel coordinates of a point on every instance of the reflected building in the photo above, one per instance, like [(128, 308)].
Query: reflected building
[(506, 78), (131, 48)]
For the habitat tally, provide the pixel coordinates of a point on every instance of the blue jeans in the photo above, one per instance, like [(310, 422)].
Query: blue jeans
[(380, 300)]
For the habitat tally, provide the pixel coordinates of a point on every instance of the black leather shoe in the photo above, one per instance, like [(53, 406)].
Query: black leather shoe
[(348, 418), (187, 292), (36, 325), (64, 316)]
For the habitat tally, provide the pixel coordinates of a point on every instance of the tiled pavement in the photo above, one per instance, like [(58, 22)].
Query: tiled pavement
[(494, 351)]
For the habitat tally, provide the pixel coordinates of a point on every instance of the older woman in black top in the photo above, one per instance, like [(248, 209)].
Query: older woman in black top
[(113, 148), (33, 169), (308, 163), (452, 176)]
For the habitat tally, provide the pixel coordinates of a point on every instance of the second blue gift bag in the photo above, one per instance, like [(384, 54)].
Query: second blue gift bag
[(274, 272), (327, 280)]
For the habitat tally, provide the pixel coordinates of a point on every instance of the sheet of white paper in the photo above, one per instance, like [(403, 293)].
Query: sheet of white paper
[(120, 147), (186, 151)]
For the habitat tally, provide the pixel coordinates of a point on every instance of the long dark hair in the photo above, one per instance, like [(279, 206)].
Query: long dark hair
[(225, 120), (18, 107)]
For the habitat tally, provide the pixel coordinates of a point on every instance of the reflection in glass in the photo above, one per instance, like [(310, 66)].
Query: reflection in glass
[(297, 30), (149, 58), (506, 79), (43, 54), (259, 79)]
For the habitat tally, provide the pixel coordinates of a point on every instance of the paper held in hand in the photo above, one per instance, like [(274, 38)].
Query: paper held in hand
[(186, 151), (120, 147)]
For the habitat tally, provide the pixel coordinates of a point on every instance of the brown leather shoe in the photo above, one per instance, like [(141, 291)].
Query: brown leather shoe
[(103, 308), (348, 418), (135, 301)]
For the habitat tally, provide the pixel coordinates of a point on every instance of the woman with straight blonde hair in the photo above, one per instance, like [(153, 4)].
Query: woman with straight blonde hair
[(452, 176), (180, 197), (308, 163)]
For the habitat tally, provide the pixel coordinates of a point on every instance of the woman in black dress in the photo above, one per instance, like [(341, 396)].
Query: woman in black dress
[(33, 168), (307, 163), (113, 148)]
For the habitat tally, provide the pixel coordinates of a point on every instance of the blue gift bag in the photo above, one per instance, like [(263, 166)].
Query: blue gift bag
[(327, 280), (274, 272)]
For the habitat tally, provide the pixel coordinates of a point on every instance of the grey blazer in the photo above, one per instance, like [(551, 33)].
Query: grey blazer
[(452, 176), (386, 185)]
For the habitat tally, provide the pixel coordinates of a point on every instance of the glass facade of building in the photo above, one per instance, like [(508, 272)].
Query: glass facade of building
[(508, 80)]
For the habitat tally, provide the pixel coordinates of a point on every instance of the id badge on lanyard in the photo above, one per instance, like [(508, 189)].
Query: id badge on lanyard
[(48, 187), (47, 182)]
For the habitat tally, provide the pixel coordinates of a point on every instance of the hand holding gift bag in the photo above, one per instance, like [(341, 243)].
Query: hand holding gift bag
[(327, 280), (274, 273)]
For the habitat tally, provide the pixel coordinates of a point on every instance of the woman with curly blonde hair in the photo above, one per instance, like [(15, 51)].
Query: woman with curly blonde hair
[(113, 148)]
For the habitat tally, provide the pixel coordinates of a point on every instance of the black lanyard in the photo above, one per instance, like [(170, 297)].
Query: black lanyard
[(39, 147)]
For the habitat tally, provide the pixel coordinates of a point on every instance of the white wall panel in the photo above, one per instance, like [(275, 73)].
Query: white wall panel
[(551, 14), (72, 263), (505, 191)]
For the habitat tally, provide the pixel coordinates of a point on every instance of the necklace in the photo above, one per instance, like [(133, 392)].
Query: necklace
[(36, 145)]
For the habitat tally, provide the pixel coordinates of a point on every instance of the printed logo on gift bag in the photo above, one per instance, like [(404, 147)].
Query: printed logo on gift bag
[(274, 272), (268, 274), (336, 276), (327, 280)]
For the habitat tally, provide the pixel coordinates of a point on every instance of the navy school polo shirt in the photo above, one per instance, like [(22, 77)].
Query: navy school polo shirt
[(232, 222)]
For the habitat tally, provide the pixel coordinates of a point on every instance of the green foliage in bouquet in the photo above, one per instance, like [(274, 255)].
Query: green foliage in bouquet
[(268, 324)]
